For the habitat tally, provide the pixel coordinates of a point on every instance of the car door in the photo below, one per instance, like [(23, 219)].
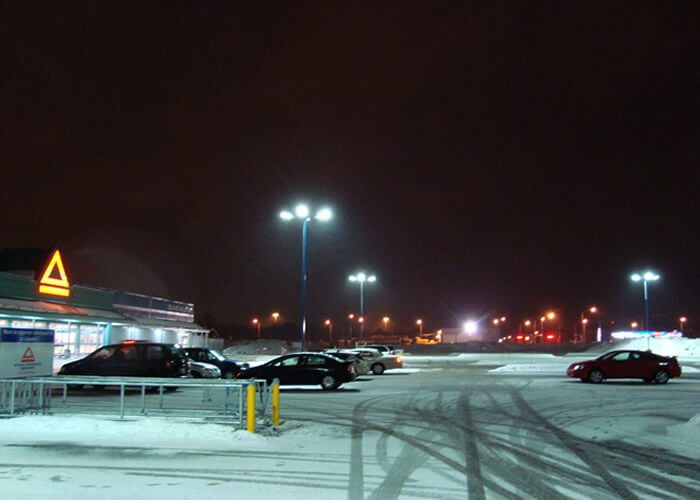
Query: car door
[(647, 365), (101, 362), (286, 369), (155, 359), (619, 365), (127, 360), (315, 367)]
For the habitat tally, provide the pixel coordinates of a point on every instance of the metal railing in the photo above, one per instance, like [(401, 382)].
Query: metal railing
[(216, 400)]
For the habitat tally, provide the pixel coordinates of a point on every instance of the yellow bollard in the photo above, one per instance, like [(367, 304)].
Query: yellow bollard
[(276, 404), (251, 408)]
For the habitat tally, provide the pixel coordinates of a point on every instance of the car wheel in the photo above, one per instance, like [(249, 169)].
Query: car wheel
[(377, 368), (661, 377), (328, 382), (596, 376), (228, 374)]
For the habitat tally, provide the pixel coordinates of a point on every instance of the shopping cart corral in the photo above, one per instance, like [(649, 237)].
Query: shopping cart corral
[(220, 400)]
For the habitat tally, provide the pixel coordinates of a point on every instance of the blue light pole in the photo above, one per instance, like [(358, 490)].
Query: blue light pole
[(302, 212), (645, 278), (361, 278)]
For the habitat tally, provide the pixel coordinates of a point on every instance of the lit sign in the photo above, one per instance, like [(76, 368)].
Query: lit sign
[(49, 283), (636, 335)]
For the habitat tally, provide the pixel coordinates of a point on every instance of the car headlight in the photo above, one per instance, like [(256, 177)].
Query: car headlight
[(577, 367)]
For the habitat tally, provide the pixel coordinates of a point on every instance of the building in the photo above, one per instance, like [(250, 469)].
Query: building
[(36, 293)]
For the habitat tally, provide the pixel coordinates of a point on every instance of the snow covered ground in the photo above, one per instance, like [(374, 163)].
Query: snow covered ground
[(47, 457)]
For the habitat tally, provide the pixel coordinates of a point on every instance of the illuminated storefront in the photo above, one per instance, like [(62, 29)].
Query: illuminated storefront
[(35, 293)]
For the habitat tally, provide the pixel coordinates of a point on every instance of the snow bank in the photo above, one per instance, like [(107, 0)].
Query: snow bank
[(683, 348)]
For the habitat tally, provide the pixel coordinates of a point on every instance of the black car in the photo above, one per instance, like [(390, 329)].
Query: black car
[(229, 368), (304, 368), (132, 359)]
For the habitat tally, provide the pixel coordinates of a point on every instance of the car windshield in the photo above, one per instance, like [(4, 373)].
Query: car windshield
[(607, 355), (103, 353), (218, 355)]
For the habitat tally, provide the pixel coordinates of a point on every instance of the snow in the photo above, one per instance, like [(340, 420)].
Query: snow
[(44, 457)]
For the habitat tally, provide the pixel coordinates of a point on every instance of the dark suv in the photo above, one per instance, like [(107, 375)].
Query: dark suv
[(229, 368), (132, 359)]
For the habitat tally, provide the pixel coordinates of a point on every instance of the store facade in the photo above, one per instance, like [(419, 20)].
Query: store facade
[(36, 293)]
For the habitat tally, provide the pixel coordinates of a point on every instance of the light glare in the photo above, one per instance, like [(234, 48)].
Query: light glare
[(286, 215), (324, 214), (302, 211), (470, 326)]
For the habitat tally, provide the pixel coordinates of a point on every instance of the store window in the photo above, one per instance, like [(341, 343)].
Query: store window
[(90, 338)]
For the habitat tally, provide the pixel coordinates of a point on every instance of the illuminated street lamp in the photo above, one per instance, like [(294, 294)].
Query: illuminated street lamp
[(302, 212), (634, 324), (584, 323), (361, 278), (351, 316), (385, 319), (681, 321), (549, 315), (419, 322), (329, 324), (275, 315), (645, 278), (256, 322)]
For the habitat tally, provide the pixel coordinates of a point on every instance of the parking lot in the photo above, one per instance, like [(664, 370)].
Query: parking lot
[(432, 430)]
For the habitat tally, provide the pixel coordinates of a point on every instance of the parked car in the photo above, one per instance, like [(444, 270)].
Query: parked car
[(305, 368), (132, 359), (229, 368), (627, 364), (383, 348), (204, 370), (360, 364), (378, 362)]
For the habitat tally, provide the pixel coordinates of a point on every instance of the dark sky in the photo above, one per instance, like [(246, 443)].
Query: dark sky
[(481, 158)]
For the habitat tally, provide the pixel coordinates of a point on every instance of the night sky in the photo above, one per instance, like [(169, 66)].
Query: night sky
[(493, 158)]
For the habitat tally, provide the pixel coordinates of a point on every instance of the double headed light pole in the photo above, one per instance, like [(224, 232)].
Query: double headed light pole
[(645, 278), (361, 278), (303, 212)]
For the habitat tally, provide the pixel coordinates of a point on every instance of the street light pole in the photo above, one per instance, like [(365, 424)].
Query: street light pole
[(302, 212), (304, 232), (256, 322), (645, 278), (329, 324), (361, 278)]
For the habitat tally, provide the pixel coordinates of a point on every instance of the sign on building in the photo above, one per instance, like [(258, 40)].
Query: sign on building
[(26, 353)]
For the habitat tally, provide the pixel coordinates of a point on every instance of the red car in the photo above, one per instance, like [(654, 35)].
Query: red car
[(627, 364)]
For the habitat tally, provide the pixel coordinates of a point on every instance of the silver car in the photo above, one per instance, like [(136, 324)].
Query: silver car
[(361, 366), (379, 362), (204, 370)]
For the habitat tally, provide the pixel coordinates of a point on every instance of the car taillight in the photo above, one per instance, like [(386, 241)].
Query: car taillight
[(399, 360)]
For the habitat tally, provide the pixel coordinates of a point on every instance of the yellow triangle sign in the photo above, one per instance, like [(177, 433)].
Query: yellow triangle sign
[(51, 284)]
